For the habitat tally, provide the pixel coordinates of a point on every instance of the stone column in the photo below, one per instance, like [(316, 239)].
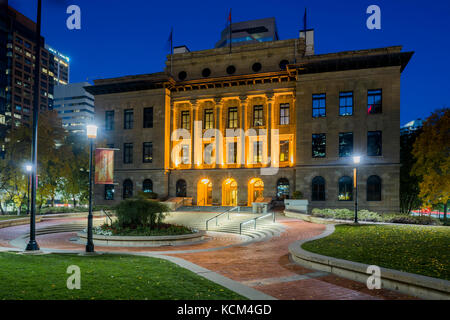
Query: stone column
[(270, 99), (243, 121), (219, 143), (172, 128), (194, 109)]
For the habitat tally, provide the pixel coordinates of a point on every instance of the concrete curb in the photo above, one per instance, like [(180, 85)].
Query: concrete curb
[(212, 276), (412, 284), (16, 222)]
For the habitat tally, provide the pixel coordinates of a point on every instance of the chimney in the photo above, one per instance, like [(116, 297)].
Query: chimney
[(309, 41)]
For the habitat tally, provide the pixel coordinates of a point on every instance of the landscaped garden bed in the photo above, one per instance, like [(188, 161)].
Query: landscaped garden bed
[(366, 215), (414, 249), (110, 277)]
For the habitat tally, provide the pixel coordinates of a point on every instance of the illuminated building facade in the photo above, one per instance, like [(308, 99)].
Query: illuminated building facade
[(326, 109)]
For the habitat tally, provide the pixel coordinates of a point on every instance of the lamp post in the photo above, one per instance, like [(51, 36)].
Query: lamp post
[(32, 244), (28, 168), (356, 161), (91, 131)]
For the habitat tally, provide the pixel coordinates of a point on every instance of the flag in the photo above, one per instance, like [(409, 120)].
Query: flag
[(304, 22), (104, 166), (170, 42)]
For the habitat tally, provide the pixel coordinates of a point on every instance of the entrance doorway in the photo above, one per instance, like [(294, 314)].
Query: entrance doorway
[(255, 190), (229, 192), (204, 192)]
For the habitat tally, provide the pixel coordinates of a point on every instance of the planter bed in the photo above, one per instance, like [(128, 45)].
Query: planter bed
[(144, 241)]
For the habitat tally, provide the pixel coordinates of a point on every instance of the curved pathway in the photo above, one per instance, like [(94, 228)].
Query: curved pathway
[(264, 265)]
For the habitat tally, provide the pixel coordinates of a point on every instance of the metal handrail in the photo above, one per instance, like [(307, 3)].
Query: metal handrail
[(109, 217), (220, 214), (255, 219)]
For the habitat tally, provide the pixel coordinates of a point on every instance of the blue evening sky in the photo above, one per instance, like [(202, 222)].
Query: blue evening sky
[(130, 37)]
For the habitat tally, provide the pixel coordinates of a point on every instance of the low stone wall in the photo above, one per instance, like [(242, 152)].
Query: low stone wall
[(17, 222), (142, 241), (412, 284)]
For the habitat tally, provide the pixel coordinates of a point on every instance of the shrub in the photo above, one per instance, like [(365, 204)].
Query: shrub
[(132, 213), (147, 195), (297, 195), (346, 214), (408, 219)]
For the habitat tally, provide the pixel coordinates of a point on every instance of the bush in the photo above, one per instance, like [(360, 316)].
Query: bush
[(133, 213), (346, 214), (408, 219), (297, 195)]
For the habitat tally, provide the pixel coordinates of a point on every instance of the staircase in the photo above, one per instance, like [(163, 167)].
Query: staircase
[(66, 227)]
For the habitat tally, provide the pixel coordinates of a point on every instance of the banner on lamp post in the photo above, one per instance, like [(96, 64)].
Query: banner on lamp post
[(104, 166)]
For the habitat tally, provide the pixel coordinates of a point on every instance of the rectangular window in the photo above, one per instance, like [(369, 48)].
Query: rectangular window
[(374, 143), (258, 116), (127, 153), (109, 120), (208, 119), (128, 119), (284, 113), (345, 144), (148, 117), (284, 150), (319, 105), (232, 152), (185, 154), (374, 100), (109, 192), (147, 152), (257, 151), (346, 103), (185, 120), (319, 145), (232, 117)]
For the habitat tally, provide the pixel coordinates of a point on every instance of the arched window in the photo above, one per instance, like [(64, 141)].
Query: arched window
[(181, 188), (283, 188), (127, 189), (345, 189), (374, 188), (318, 189), (147, 185)]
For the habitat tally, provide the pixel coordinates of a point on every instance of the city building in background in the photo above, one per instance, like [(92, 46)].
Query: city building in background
[(61, 66), (75, 106), (327, 108), (17, 63), (411, 127), (245, 32)]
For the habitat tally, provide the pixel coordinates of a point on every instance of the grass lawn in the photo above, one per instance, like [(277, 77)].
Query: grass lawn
[(416, 249), (12, 217), (103, 277)]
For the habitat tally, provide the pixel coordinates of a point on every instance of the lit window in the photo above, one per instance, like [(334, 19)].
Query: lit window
[(208, 119), (345, 144), (319, 145), (345, 189), (147, 152), (258, 116), (374, 101), (257, 151), (185, 120), (284, 150), (232, 117)]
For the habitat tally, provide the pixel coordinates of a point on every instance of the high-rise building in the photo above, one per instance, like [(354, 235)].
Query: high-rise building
[(274, 104), (411, 127), (75, 106), (17, 63), (61, 65), (246, 32)]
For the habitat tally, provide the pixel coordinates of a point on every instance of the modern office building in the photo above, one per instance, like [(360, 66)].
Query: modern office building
[(75, 106), (246, 32), (61, 66), (275, 104), (17, 62), (411, 127)]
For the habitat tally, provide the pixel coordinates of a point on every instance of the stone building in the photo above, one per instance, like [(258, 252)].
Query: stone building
[(326, 108)]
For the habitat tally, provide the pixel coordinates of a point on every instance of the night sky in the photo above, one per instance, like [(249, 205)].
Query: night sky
[(130, 37)]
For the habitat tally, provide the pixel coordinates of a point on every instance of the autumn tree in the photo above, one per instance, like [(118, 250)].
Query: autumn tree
[(432, 153)]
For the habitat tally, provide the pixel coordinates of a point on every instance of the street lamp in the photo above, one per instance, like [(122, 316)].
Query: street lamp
[(91, 131), (356, 161), (28, 168), (32, 243)]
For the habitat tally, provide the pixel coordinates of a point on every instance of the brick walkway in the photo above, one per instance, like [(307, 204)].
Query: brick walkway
[(264, 266)]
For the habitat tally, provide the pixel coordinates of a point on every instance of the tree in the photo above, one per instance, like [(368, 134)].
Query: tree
[(432, 153), (50, 160), (409, 183)]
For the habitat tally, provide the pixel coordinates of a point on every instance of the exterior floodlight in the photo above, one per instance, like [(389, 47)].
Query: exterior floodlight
[(356, 159), (91, 131), (28, 167)]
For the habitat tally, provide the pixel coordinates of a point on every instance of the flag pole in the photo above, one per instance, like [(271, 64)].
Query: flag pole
[(171, 51), (230, 30)]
